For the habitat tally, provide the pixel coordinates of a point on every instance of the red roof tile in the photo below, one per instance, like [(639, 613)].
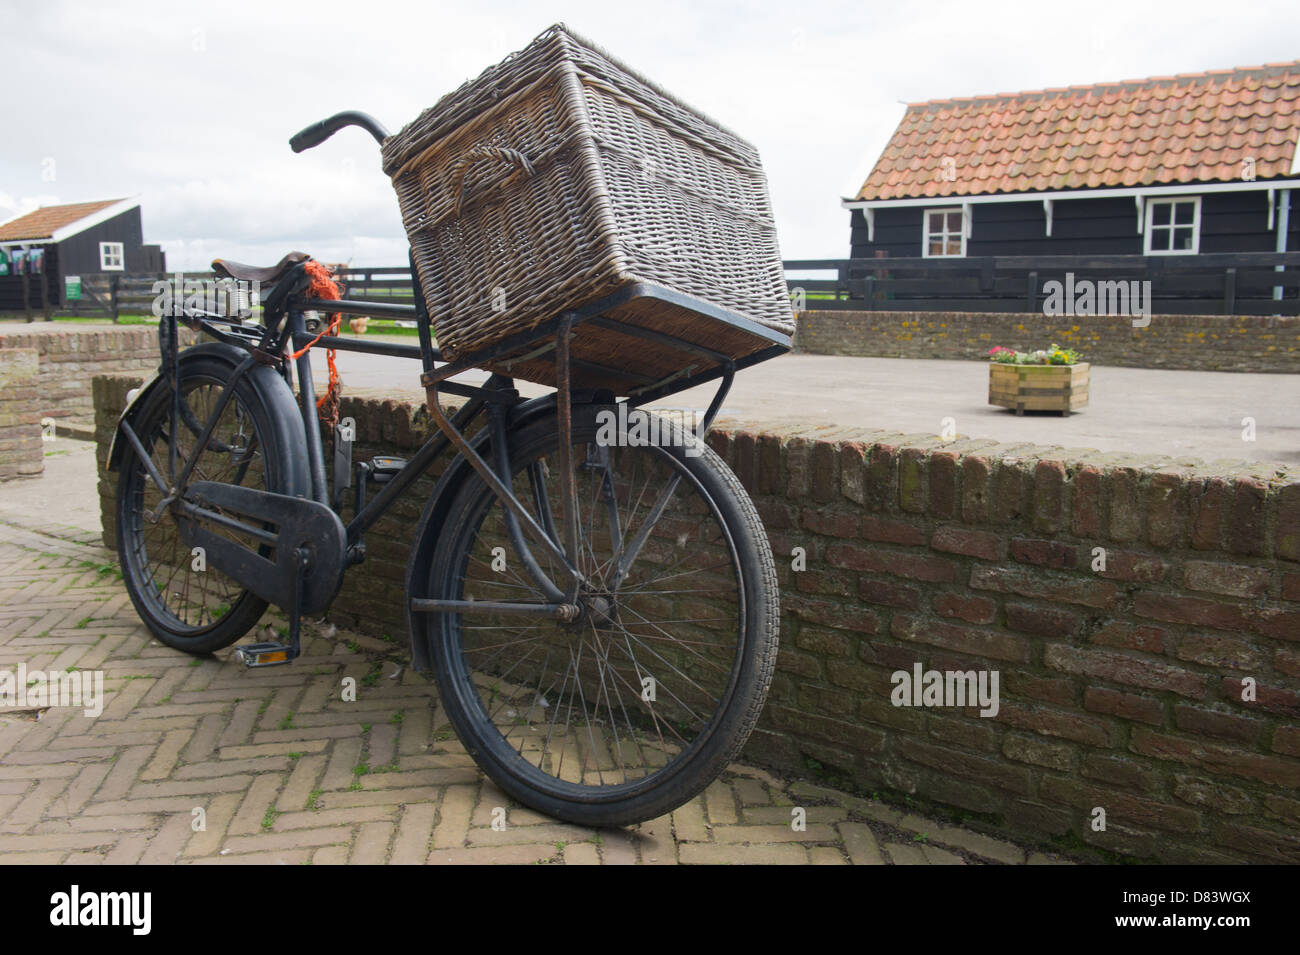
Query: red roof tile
[(1166, 129), (44, 222)]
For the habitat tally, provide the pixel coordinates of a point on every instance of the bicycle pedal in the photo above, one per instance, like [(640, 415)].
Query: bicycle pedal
[(253, 655), (383, 470)]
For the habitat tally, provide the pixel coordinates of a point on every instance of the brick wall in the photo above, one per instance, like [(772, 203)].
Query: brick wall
[(22, 453), (70, 357), (1120, 688), (1195, 342)]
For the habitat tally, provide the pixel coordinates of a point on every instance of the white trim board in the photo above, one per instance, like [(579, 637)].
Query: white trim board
[(1128, 191)]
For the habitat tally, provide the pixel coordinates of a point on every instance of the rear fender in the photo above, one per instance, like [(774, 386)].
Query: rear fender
[(286, 417)]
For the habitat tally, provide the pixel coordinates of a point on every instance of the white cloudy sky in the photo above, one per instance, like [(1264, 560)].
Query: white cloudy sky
[(191, 110)]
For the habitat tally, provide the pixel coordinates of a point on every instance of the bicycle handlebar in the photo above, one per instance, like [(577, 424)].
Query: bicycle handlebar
[(317, 133)]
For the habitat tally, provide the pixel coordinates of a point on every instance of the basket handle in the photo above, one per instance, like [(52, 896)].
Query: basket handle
[(460, 169)]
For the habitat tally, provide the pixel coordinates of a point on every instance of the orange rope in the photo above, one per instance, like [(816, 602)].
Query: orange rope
[(323, 286)]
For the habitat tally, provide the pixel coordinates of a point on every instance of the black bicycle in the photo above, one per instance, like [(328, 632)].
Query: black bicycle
[(599, 607)]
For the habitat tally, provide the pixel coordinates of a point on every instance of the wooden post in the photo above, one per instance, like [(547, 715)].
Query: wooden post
[(27, 297), (1229, 291), (46, 301), (1031, 293), (112, 298)]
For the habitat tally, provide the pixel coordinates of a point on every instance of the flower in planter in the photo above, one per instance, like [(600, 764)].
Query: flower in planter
[(1055, 355)]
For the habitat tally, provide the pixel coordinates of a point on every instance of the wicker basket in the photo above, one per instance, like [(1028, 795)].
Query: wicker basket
[(558, 178)]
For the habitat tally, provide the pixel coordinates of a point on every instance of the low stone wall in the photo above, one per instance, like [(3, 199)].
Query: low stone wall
[(1192, 342), (22, 452), (1142, 617), (70, 356)]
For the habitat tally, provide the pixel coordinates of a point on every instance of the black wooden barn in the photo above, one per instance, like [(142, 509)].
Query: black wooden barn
[(1166, 166), (42, 250)]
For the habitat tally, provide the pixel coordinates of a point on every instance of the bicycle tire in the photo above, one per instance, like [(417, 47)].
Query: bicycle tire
[(147, 550), (462, 668)]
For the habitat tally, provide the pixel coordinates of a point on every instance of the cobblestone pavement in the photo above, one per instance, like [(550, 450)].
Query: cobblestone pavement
[(286, 772)]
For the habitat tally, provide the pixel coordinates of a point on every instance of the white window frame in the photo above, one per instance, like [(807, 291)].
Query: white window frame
[(109, 251), (926, 233), (1172, 202)]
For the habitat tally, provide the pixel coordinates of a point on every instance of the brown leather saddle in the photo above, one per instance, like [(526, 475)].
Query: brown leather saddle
[(268, 274)]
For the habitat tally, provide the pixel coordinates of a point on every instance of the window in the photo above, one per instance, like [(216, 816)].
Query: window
[(945, 233), (111, 256), (1173, 226)]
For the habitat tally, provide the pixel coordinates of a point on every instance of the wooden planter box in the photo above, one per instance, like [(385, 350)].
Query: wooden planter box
[(1062, 388)]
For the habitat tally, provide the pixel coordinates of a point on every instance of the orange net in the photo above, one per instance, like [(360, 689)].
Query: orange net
[(323, 286)]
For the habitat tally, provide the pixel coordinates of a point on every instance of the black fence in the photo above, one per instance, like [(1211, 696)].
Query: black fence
[(1238, 283)]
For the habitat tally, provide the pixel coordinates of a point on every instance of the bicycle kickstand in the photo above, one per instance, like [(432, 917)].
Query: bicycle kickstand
[(274, 654)]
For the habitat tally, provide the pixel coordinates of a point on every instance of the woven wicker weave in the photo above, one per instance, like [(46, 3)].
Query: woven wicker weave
[(559, 177)]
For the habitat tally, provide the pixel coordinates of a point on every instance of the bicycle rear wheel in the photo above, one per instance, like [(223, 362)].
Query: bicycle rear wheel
[(635, 707)]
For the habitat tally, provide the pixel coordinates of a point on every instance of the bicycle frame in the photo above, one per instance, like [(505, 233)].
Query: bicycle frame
[(286, 328)]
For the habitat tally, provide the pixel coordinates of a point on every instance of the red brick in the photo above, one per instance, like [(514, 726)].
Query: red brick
[(975, 472), (1065, 724), (1287, 661), (852, 457), (1045, 553), (1274, 622), (914, 566), (770, 475), (1086, 521), (1131, 637), (1049, 496), (1125, 514), (943, 485), (1201, 722), (1288, 522), (1166, 503), (1248, 528), (1129, 565), (911, 480), (1090, 593), (1285, 702), (1276, 847), (1122, 668), (956, 763), (892, 531), (1211, 794), (1216, 758), (1173, 608), (744, 449), (965, 607), (889, 594), (1124, 806), (1122, 771), (1129, 706), (1220, 651), (880, 477), (1291, 586), (1012, 481), (1286, 740), (982, 643), (1207, 500), (1043, 621), (825, 474), (1228, 580), (960, 540), (829, 523), (830, 614), (797, 454)]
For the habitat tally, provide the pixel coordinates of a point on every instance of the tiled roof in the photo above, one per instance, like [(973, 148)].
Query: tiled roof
[(43, 223), (1157, 131)]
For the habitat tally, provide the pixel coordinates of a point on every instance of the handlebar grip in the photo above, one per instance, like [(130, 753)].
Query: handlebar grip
[(317, 133)]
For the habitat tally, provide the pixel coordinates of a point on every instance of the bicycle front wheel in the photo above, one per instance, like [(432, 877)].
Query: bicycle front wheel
[(633, 708)]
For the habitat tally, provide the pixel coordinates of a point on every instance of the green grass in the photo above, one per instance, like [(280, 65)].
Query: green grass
[(269, 819)]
